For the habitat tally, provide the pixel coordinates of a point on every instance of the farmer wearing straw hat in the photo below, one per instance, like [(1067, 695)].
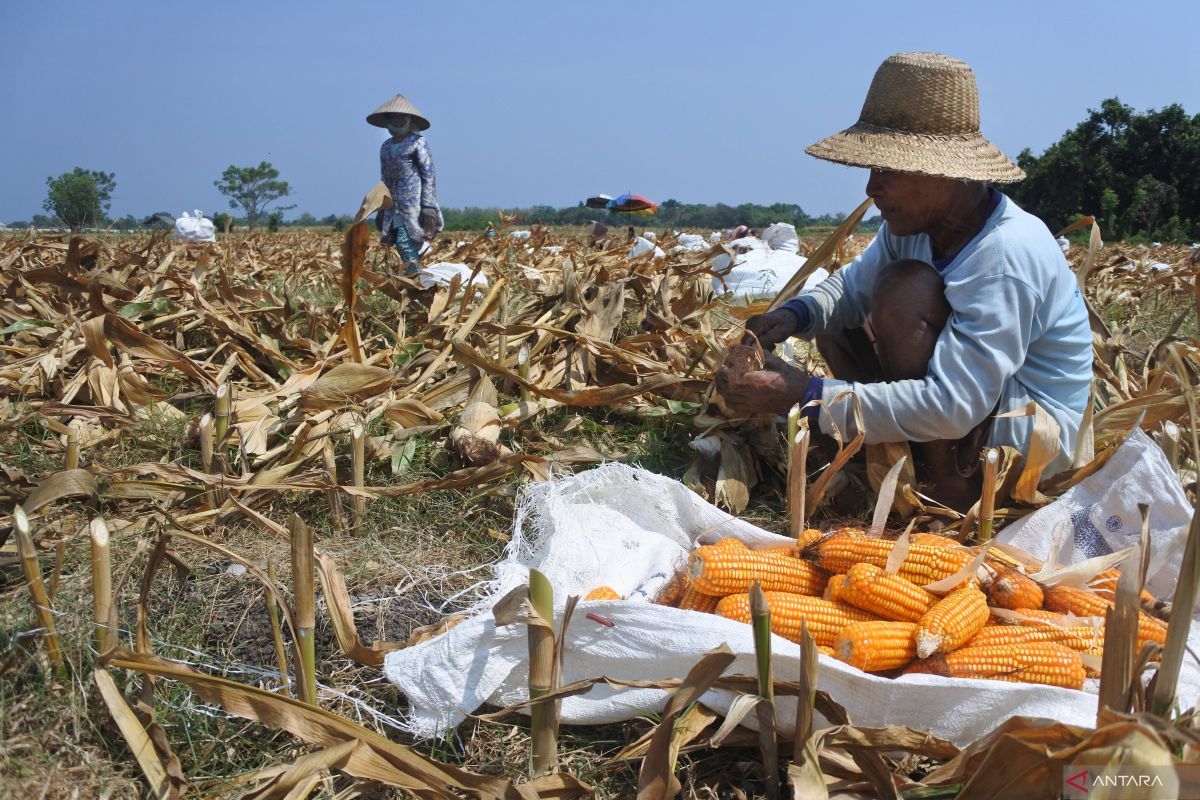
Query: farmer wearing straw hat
[(962, 307), (407, 169)]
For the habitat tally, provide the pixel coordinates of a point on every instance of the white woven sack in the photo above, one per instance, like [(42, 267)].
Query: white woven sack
[(629, 529)]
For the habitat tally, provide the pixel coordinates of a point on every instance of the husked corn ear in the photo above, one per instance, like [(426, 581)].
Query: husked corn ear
[(889, 596), (952, 621), (1013, 589), (824, 618), (731, 543), (1037, 615), (694, 600), (932, 539), (1083, 603), (721, 571), (825, 649), (1105, 584), (1032, 662), (809, 536), (1076, 637), (922, 565), (834, 588), (877, 645), (788, 550), (602, 593)]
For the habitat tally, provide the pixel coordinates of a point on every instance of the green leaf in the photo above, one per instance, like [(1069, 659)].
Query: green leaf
[(25, 325), (402, 458), (683, 407)]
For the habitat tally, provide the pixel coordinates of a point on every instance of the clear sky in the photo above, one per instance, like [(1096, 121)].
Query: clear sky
[(536, 102)]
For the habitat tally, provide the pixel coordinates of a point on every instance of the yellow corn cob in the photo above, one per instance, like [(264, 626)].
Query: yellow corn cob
[(731, 543), (1013, 589), (807, 537), (922, 565), (951, 622), (1076, 637), (825, 649), (876, 646), (932, 539), (1105, 584), (834, 588), (824, 618), (1041, 615), (722, 571), (1033, 662), (602, 593), (1081, 602), (788, 550), (694, 600), (888, 596)]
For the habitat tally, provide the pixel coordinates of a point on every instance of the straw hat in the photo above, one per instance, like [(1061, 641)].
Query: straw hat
[(921, 115), (397, 105)]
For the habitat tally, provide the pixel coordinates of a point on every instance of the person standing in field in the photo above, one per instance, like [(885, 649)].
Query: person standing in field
[(406, 168), (961, 309)]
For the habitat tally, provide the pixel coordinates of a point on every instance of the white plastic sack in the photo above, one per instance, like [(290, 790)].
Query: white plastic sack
[(519, 235), (1064, 244), (759, 271), (642, 245), (1099, 515), (714, 237), (630, 529), (781, 236), (690, 243), (189, 228), (444, 271)]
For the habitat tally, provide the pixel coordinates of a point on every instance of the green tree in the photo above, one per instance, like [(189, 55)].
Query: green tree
[(1138, 171), (80, 197), (252, 189)]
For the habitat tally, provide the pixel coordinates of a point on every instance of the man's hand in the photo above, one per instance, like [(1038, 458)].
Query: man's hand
[(770, 328), (429, 222), (773, 389)]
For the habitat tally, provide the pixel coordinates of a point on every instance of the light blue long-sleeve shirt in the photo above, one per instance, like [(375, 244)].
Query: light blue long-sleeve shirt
[(1018, 331)]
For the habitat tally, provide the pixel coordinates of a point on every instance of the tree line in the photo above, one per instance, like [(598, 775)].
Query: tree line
[(1139, 173)]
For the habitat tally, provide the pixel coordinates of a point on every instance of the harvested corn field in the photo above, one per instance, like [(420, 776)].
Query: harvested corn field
[(236, 476)]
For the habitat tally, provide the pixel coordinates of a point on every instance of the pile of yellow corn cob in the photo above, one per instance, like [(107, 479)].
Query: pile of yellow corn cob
[(880, 621)]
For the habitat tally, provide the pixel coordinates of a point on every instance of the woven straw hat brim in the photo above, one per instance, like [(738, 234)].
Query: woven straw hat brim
[(397, 105), (966, 157)]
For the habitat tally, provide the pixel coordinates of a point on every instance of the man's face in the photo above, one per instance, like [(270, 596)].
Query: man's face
[(399, 124), (908, 203)]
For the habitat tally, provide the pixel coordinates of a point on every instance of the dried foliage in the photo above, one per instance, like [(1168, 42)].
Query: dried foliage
[(267, 354)]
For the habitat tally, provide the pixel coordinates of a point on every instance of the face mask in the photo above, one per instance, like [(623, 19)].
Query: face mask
[(400, 128)]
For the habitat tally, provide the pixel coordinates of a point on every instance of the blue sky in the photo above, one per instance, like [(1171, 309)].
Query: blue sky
[(536, 102)]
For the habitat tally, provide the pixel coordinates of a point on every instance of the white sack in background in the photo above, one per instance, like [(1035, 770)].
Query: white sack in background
[(195, 228), (444, 271), (759, 271), (690, 243), (629, 529), (519, 235), (781, 236), (642, 245)]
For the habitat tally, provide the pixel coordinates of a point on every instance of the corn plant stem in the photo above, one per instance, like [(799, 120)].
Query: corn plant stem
[(37, 590), (221, 413), (304, 608), (276, 631), (523, 371), (358, 463), (333, 496), (987, 500), (797, 487), (102, 595), (502, 339), (72, 459), (60, 552), (541, 668), (760, 620)]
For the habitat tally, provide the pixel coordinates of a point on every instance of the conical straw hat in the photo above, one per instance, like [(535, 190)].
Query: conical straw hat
[(922, 116), (397, 105)]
